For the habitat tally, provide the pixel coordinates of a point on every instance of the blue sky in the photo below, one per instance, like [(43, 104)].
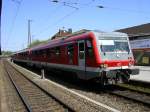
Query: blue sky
[(47, 17)]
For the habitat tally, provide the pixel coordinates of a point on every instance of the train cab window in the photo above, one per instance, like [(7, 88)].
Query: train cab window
[(89, 48), (81, 51)]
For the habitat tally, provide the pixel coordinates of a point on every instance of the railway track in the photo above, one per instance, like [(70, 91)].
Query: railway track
[(120, 102), (34, 98), (130, 94)]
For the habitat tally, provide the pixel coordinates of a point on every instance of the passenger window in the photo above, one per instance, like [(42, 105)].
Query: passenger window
[(44, 53), (89, 48), (81, 51), (52, 51), (57, 51), (70, 51), (48, 52)]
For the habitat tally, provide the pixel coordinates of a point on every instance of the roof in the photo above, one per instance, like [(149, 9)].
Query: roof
[(143, 29), (76, 35), (61, 33)]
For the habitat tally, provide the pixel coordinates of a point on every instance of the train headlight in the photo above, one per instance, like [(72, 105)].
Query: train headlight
[(104, 65), (130, 64)]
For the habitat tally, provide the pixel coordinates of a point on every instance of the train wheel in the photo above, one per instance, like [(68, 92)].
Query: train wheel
[(123, 77), (103, 79)]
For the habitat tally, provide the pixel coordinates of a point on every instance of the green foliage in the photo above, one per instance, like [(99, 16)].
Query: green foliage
[(6, 53), (37, 42)]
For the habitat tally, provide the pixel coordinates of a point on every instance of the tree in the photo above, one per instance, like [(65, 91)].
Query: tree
[(37, 42), (6, 53)]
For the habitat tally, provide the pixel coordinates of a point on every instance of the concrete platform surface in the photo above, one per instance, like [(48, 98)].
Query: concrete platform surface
[(144, 74)]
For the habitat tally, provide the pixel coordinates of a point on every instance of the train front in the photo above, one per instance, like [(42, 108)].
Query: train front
[(116, 58)]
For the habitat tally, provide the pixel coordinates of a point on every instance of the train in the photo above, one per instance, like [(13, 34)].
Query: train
[(105, 57)]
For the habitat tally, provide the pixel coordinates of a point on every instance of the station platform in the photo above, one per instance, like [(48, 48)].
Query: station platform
[(144, 75)]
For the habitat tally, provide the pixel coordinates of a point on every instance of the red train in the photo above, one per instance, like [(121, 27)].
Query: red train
[(91, 55)]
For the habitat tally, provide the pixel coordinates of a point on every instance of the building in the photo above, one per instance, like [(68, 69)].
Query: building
[(67, 33), (62, 33), (139, 37)]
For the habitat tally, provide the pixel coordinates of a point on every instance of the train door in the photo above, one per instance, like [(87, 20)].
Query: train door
[(81, 57)]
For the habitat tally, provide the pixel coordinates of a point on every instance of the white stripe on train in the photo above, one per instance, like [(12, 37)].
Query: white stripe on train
[(75, 67)]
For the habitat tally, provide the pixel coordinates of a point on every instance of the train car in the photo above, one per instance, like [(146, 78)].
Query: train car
[(105, 57)]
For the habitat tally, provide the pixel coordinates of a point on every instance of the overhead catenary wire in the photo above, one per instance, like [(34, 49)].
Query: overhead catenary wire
[(14, 19), (125, 9), (68, 4), (58, 21), (73, 4), (17, 1), (76, 4)]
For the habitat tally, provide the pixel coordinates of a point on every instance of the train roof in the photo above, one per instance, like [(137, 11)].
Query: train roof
[(21, 51), (110, 34), (61, 40), (73, 36)]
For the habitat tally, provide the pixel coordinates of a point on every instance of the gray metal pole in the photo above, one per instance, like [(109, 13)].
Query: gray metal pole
[(42, 74), (29, 33), (0, 24)]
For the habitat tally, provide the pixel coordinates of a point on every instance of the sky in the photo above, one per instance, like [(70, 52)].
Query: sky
[(48, 17)]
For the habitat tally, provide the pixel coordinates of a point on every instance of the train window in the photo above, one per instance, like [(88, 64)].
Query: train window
[(57, 51), (70, 53), (81, 50), (34, 53), (37, 53), (48, 52), (70, 50), (52, 52), (89, 48), (44, 53)]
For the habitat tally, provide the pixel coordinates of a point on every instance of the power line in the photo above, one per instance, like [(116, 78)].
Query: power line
[(127, 10), (58, 21), (69, 4), (17, 1), (75, 5), (14, 19), (53, 12)]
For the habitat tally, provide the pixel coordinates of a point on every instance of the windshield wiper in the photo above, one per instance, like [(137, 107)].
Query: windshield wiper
[(102, 49)]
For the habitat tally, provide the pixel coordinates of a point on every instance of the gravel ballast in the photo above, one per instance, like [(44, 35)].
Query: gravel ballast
[(79, 104)]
